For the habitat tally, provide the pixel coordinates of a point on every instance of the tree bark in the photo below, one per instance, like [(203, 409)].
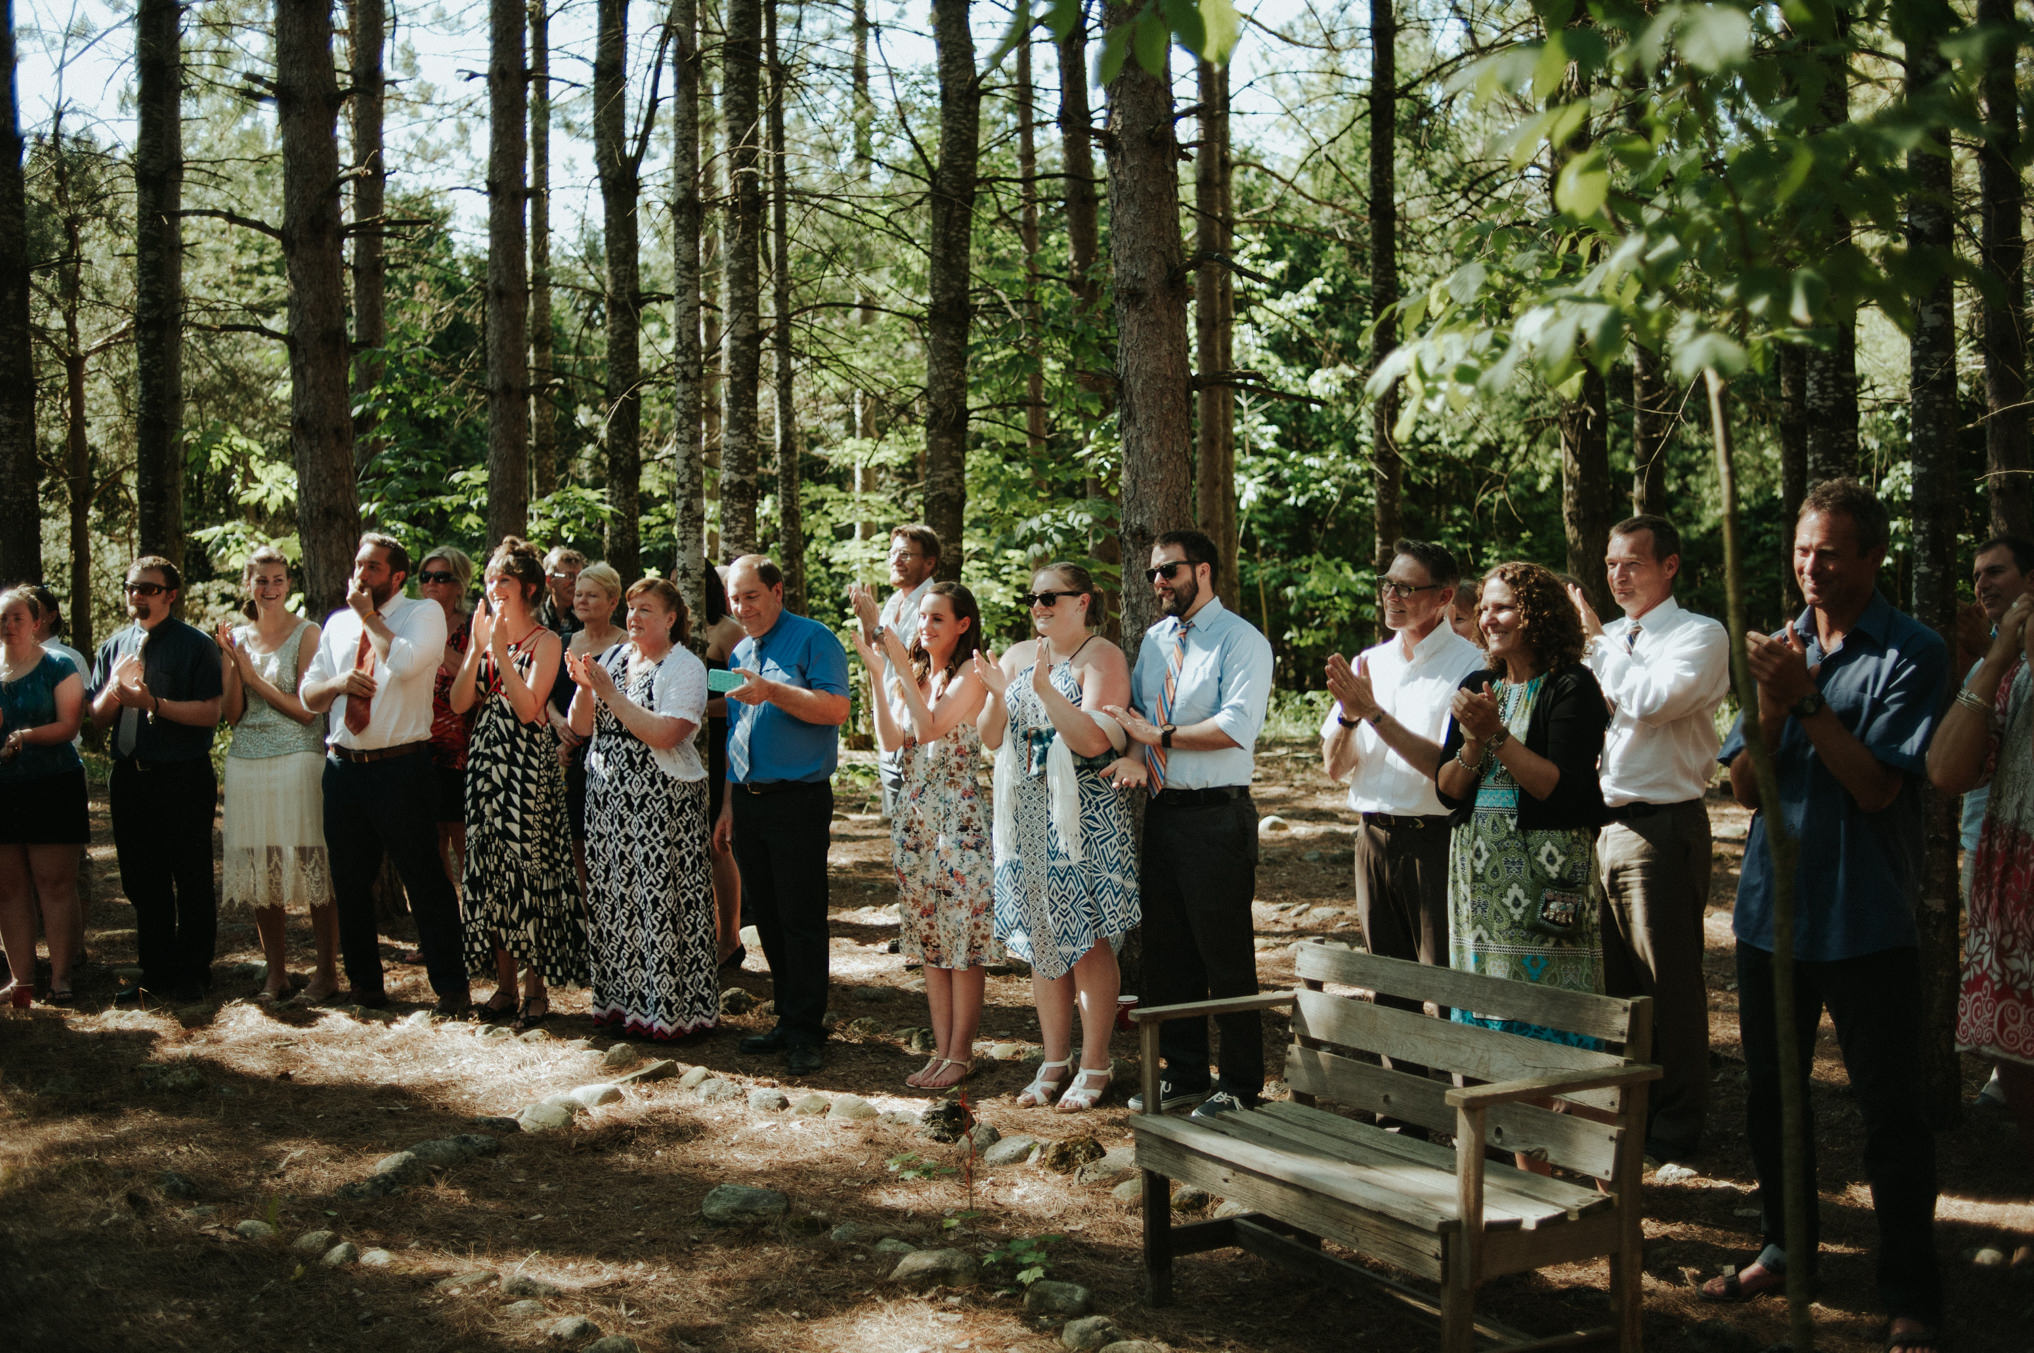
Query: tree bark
[(159, 279), (1084, 250), (508, 291), (2002, 320), (1585, 485), (321, 427), (1214, 330), (742, 338), (949, 308), (1025, 96), (865, 424), (1652, 429), (619, 192), (1793, 431), (1387, 475), (687, 393), (1151, 326), (20, 473), (544, 467), (1830, 371), (790, 518), (77, 443), (370, 182), (712, 282)]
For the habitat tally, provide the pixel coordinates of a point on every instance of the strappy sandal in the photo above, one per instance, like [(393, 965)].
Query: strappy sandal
[(933, 1082), (529, 1017), (1730, 1286), (498, 1007), (1043, 1089), (917, 1078), (1083, 1095)]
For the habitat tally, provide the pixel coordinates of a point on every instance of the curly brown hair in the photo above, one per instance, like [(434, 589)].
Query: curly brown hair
[(1551, 627)]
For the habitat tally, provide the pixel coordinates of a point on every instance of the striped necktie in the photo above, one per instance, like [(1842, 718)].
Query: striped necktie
[(1154, 755), (1631, 638)]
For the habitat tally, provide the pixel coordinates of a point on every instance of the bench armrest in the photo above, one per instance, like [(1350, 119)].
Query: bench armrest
[(1158, 1014), (1541, 1087)]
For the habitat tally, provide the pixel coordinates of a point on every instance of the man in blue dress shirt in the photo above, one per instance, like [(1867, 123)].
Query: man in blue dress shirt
[(783, 742), (1848, 698), (1201, 686)]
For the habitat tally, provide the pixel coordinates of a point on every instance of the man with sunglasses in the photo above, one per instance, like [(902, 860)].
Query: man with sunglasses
[(1201, 687), (157, 685), (914, 557), (562, 567)]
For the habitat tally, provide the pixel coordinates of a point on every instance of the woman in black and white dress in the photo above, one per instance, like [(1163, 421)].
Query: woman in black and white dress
[(647, 859)]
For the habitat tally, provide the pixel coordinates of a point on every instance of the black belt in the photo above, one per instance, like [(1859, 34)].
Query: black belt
[(776, 786), (136, 763), (1390, 822), (1634, 812), (1186, 798), (360, 756)]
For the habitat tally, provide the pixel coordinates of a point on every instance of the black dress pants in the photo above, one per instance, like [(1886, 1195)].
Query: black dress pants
[(162, 835), (1199, 876), (390, 807), (780, 843)]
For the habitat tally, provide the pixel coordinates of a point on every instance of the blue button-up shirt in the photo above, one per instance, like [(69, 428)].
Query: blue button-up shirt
[(797, 652), (1859, 873), (1225, 676)]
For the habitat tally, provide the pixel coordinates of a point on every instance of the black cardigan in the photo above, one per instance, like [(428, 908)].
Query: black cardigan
[(1566, 727)]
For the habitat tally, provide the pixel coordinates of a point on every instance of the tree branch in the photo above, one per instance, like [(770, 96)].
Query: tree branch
[(233, 218)]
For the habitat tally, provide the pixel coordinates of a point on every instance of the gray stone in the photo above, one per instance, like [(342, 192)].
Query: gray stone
[(1674, 1174), (1988, 1257), (937, 1268), (851, 1106), (1005, 1052), (694, 1078), (493, 1122), (661, 1069), (1056, 1299), (736, 1001), (1089, 1332), (733, 1204), (313, 1242), (253, 1229), (766, 1100), (340, 1255), (898, 1118), (534, 1036), (523, 1285), (1133, 1346), (1064, 1157), (1313, 857), (945, 1122), (593, 1096), (176, 1185), (894, 1248), (528, 1309), (419, 1019), (812, 1104), (1129, 1191), (983, 1136), (571, 1330), (495, 1033), (620, 1057), (398, 1169), (376, 1258), (1191, 1198), (577, 1045), (717, 1091), (545, 1117), (865, 1027), (613, 1343), (920, 1040), (869, 993), (854, 1233), (1231, 1208), (1009, 1151), (1114, 1164), (441, 1153), (459, 1282)]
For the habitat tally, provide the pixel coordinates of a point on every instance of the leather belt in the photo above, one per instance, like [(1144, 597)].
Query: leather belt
[(1634, 812), (1393, 823), (359, 756), (776, 786), (1186, 798)]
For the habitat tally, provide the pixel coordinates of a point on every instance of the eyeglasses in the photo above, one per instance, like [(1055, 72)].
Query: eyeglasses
[(1386, 587), (1045, 599), (563, 575), (432, 575), (145, 589), (1166, 571), (907, 554)]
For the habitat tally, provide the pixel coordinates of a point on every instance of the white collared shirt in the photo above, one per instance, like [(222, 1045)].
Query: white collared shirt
[(900, 613), (1661, 745), (401, 710), (1417, 693)]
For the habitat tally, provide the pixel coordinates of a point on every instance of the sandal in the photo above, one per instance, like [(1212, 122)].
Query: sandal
[(936, 1082), (917, 1078), (529, 1017), (498, 1006), (1043, 1088), (1083, 1094), (1730, 1286), (1920, 1336)]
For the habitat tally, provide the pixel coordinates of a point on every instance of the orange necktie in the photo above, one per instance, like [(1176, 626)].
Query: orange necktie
[(360, 708)]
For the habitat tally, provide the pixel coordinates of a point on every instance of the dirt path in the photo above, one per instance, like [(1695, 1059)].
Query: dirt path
[(133, 1144)]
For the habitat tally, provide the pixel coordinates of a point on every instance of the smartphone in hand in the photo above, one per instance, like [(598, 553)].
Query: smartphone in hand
[(719, 682)]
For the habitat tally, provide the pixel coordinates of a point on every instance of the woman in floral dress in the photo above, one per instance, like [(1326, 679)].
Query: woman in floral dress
[(940, 831)]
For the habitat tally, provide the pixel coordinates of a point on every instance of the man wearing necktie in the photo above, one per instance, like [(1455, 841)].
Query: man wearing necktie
[(157, 685), (1664, 671), (1201, 687)]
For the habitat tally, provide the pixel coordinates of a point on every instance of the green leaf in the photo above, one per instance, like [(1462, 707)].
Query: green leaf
[(1550, 69), (1224, 28), (1707, 350), (1714, 37), (1115, 51), (1184, 17), (1583, 185), (1152, 38)]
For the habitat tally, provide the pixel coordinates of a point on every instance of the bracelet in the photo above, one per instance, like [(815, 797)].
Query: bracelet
[(1473, 767), (1965, 696), (1346, 723)]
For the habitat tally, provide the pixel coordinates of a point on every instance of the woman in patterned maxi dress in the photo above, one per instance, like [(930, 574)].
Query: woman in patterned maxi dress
[(1066, 865), (647, 858), (939, 835), (520, 892)]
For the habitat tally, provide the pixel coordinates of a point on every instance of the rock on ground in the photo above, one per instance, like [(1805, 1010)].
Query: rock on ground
[(1089, 1332), (313, 1242), (523, 1285), (571, 1329), (254, 1229), (593, 1096), (525, 1310), (340, 1255), (1009, 1151), (1064, 1157), (945, 1122), (1061, 1300), (1129, 1191), (890, 1246), (545, 1117), (376, 1258), (620, 1057), (176, 1185), (444, 1152), (1113, 1165), (661, 1069), (694, 1078), (937, 1268), (459, 1282), (612, 1343), (733, 1204), (1133, 1346), (811, 1104), (717, 1091), (851, 1107), (854, 1233), (767, 1100), (1191, 1198)]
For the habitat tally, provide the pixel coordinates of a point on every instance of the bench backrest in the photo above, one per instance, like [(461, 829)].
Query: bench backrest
[(1336, 1035)]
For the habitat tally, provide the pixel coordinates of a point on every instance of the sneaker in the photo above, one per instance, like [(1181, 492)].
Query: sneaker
[(1219, 1103), (1171, 1095)]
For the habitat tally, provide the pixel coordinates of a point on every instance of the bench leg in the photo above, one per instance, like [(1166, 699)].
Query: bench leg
[(1157, 1239), (1627, 1296), (1458, 1302)]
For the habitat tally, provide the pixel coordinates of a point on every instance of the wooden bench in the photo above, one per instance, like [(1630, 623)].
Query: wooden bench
[(1449, 1216)]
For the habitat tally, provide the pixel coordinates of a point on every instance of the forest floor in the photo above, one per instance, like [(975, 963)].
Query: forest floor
[(134, 1144)]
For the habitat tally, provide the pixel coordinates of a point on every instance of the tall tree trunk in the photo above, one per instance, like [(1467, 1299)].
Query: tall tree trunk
[(370, 181), (2002, 320), (543, 360), (1793, 433), (508, 291), (1585, 484), (742, 339), (712, 282), (77, 444), (1830, 373), (790, 518), (1387, 470), (949, 309), (20, 474), (618, 196), (1027, 235), (689, 479), (1214, 330), (1151, 326), (321, 427), (1652, 427), (159, 278), (1932, 447), (1084, 251)]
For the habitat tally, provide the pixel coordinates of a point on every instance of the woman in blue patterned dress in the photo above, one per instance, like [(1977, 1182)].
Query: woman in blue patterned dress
[(43, 817), (1066, 866), (939, 835)]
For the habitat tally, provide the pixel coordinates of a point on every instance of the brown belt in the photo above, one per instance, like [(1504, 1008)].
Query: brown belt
[(1388, 821), (360, 756)]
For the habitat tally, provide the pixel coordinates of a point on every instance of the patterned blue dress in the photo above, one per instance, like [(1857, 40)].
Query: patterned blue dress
[(1051, 909)]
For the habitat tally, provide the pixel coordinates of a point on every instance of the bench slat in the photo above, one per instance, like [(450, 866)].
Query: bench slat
[(1579, 1012)]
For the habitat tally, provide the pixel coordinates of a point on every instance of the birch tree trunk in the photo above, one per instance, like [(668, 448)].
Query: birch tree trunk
[(544, 467), (508, 291), (2002, 320), (159, 278), (949, 308), (1214, 329), (742, 338), (619, 191), (687, 395), (1652, 428), (20, 474), (370, 181), (790, 518)]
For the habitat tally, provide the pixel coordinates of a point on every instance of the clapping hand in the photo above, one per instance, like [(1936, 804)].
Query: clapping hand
[(1351, 686), (1591, 626), (862, 600), (1477, 712), (989, 668), (130, 683), (2014, 631), (483, 627), (576, 668), (864, 649)]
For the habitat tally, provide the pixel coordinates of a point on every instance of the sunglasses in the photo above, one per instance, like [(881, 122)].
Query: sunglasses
[(145, 589), (1165, 571), (432, 575), (1045, 599)]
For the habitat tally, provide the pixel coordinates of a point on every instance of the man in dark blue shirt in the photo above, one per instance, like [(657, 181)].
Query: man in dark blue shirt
[(783, 742), (1848, 698), (157, 685)]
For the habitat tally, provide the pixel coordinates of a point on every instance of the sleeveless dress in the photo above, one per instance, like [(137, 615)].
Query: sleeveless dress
[(274, 829), (1995, 1008), (1051, 908), (450, 729), (939, 845), (647, 861), (1519, 902), (519, 886), (42, 788)]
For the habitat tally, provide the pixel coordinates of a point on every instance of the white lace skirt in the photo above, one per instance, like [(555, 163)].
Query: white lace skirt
[(275, 833)]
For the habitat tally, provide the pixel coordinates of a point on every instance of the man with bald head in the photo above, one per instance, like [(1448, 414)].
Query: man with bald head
[(783, 742)]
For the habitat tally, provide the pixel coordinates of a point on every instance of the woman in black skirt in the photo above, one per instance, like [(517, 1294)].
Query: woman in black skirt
[(43, 818)]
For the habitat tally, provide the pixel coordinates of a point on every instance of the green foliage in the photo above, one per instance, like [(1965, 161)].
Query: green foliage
[(1026, 1255), (909, 1165)]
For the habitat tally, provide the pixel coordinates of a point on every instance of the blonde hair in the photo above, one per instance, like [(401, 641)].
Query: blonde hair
[(263, 554), (461, 562), (603, 576)]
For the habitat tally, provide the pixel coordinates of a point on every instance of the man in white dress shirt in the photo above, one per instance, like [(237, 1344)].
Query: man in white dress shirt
[(1664, 671), (374, 669), (914, 556), (1392, 705)]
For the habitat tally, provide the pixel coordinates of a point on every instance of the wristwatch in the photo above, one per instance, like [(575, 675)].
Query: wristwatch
[(1345, 720), (1165, 735), (1809, 705), (1498, 739)]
